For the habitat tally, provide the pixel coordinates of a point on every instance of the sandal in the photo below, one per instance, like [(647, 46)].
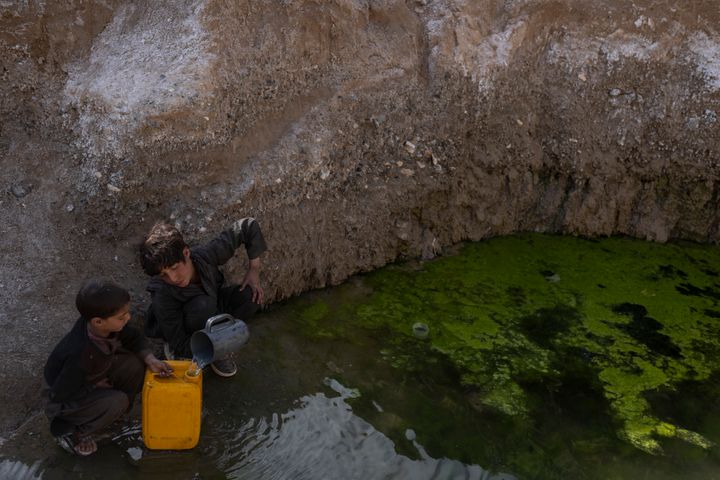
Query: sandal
[(84, 446)]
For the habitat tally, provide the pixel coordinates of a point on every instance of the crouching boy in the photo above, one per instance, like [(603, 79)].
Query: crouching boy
[(187, 287), (93, 374)]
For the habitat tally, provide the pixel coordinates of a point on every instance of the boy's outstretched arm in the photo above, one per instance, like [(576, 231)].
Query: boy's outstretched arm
[(245, 231), (252, 278)]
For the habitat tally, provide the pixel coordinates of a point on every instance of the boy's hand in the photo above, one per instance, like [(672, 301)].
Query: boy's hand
[(158, 366), (252, 278)]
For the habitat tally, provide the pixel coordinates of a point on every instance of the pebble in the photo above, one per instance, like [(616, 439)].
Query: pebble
[(582, 77), (113, 188), (69, 207), (709, 116), (410, 434), (614, 92), (420, 330), (407, 172), (409, 146), (554, 278), (19, 190)]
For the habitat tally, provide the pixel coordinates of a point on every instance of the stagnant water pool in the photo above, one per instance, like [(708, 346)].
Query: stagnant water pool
[(524, 357)]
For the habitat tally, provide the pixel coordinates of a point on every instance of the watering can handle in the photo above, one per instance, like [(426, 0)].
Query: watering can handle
[(217, 319)]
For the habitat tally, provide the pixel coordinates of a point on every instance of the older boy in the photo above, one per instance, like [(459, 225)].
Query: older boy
[(187, 287), (93, 374)]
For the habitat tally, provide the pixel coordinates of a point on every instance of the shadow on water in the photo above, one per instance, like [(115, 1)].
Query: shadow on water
[(518, 374)]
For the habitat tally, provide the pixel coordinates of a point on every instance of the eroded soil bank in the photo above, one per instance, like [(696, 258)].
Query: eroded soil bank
[(356, 132)]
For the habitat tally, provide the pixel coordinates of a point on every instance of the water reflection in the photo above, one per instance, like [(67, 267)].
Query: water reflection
[(12, 469), (323, 438)]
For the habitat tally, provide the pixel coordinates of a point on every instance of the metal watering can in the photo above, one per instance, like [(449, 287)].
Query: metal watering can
[(221, 336)]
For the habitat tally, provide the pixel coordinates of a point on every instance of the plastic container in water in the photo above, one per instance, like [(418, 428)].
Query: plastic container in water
[(171, 408)]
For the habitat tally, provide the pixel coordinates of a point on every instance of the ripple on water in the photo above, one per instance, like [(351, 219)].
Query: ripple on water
[(20, 471), (323, 438)]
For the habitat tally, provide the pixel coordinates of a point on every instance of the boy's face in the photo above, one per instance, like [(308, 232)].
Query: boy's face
[(116, 321), (179, 274)]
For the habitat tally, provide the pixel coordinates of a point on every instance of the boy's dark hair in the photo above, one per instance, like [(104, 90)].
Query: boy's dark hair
[(162, 248), (100, 298)]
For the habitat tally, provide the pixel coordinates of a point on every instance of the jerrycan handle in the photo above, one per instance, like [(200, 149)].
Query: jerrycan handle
[(217, 319)]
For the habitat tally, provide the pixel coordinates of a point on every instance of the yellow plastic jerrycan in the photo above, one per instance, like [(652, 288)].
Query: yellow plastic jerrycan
[(171, 408)]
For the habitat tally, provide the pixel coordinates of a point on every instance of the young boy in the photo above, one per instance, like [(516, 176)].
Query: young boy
[(187, 286), (93, 374)]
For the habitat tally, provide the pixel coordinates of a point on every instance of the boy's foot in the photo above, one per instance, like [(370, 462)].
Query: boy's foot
[(224, 367), (83, 447), (169, 355)]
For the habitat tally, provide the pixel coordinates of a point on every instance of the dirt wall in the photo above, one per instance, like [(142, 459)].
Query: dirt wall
[(356, 132)]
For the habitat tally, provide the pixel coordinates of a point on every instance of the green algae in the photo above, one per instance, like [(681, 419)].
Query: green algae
[(517, 310)]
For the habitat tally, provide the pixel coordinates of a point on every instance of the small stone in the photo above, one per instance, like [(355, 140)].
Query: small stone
[(420, 330), (324, 173), (435, 160), (410, 147), (278, 180), (69, 207), (410, 434), (615, 92), (20, 190), (582, 77), (407, 172), (203, 229), (135, 453), (98, 175), (519, 122), (332, 367), (113, 188), (709, 116)]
